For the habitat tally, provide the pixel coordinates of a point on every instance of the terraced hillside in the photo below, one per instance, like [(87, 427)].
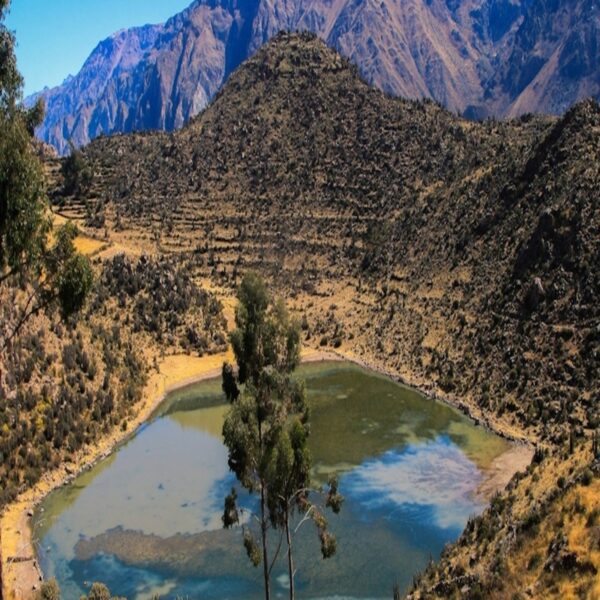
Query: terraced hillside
[(474, 244), (461, 257)]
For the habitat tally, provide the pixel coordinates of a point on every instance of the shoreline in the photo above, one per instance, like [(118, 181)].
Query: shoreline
[(20, 574)]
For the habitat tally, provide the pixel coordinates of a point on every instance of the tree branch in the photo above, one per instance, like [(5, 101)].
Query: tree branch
[(27, 314), (304, 519), (276, 552)]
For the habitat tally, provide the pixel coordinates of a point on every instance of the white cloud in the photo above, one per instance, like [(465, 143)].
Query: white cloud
[(435, 474)]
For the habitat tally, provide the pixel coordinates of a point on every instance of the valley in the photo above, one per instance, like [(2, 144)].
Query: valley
[(458, 257), (384, 442)]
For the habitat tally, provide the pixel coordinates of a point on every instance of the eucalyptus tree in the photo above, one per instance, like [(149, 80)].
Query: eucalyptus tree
[(267, 427), (290, 490), (24, 222), (53, 274)]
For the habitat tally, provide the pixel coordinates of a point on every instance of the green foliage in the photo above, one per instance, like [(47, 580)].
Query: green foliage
[(69, 273), (334, 498), (230, 388), (288, 470), (58, 273), (23, 220), (252, 549), (99, 591), (230, 514), (76, 173), (264, 336), (266, 430), (23, 224), (75, 283), (328, 543)]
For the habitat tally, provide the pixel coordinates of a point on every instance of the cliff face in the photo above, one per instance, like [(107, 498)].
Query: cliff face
[(555, 58), (479, 57)]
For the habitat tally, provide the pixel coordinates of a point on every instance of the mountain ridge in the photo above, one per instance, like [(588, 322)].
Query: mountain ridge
[(470, 56), (459, 257)]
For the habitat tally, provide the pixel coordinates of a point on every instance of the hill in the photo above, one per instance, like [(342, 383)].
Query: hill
[(478, 57), (480, 236), (459, 257)]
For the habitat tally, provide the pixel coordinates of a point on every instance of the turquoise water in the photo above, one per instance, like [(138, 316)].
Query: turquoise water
[(147, 520)]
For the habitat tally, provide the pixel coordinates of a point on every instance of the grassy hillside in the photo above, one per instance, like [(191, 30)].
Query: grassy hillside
[(65, 384), (462, 257), (540, 538)]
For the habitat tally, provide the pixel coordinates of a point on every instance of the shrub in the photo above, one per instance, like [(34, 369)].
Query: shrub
[(49, 590)]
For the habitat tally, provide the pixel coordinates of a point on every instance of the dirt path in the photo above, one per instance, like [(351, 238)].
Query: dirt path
[(503, 467)]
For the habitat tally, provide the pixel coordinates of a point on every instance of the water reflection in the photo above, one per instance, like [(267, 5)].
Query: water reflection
[(148, 520)]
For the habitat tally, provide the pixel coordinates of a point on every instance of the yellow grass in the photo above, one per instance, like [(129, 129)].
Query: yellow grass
[(87, 245)]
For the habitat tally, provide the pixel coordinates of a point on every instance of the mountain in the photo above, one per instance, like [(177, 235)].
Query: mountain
[(458, 256), (480, 57), (554, 59), (297, 158)]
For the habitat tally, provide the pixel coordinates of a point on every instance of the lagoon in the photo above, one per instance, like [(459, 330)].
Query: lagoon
[(147, 520)]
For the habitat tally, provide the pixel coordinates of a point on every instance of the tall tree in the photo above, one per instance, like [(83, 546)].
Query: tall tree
[(24, 222), (267, 427), (55, 273), (289, 483)]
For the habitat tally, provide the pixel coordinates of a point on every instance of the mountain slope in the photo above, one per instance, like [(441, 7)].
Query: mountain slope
[(481, 57), (157, 77), (296, 155), (555, 58), (461, 257)]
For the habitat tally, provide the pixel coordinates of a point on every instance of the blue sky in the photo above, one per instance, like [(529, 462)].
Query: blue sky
[(54, 37)]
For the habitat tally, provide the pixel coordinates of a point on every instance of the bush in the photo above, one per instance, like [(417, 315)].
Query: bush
[(99, 591), (587, 477), (49, 590)]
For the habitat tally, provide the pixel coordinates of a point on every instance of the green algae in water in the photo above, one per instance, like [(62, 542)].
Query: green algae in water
[(147, 520)]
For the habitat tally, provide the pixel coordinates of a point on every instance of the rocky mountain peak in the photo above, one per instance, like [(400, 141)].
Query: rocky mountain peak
[(477, 57)]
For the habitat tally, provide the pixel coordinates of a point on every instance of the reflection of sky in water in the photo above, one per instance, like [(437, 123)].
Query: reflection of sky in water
[(144, 584), (406, 468), (436, 475), (174, 491)]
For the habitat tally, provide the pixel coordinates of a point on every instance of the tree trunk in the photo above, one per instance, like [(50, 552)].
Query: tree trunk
[(263, 527), (290, 558)]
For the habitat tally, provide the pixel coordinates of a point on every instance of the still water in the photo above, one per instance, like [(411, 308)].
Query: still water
[(148, 519)]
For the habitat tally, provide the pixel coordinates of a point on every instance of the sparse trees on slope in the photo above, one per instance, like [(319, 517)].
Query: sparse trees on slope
[(76, 172)]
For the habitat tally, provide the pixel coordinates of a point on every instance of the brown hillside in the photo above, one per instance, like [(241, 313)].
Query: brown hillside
[(461, 257)]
